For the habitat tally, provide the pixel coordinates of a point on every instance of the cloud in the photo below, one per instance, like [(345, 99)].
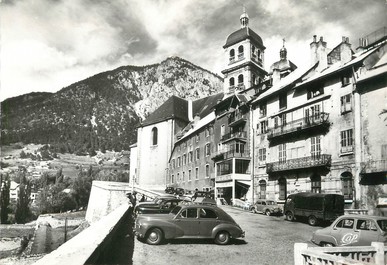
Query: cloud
[(47, 45)]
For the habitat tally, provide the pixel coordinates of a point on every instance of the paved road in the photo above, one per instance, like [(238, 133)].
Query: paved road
[(269, 240)]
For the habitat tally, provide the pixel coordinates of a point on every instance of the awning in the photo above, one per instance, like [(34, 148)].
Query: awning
[(245, 182)]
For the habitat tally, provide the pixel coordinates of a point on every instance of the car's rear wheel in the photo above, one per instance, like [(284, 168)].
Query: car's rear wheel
[(267, 212), (312, 220), (252, 209), (289, 216), (154, 236), (222, 238)]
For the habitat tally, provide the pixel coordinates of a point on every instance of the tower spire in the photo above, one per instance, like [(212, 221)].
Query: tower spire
[(283, 51), (244, 19)]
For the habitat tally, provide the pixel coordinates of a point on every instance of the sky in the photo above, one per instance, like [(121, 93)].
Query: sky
[(47, 45)]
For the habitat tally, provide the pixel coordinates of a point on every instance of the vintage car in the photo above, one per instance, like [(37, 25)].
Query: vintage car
[(268, 207), (170, 190), (188, 221), (160, 205), (352, 230)]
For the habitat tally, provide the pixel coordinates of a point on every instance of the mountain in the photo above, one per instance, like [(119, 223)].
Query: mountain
[(102, 111)]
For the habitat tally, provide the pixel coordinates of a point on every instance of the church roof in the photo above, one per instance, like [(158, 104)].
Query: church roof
[(174, 107), (206, 105), (283, 65), (242, 34)]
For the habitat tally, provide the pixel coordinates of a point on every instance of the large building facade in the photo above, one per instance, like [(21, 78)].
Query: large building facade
[(321, 128)]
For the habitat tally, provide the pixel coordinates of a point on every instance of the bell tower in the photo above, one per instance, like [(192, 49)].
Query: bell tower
[(244, 58)]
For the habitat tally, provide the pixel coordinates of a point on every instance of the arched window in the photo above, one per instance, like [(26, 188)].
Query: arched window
[(240, 52), (154, 136), (347, 185), (262, 189), (282, 188), (240, 79), (232, 81), (316, 183), (232, 55)]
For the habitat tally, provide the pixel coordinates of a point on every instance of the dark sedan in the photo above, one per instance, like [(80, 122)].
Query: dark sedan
[(188, 221), (161, 205)]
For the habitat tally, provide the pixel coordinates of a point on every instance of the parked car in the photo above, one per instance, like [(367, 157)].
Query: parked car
[(314, 206), (188, 221), (268, 207), (353, 230), (179, 191), (170, 190), (161, 205), (204, 200)]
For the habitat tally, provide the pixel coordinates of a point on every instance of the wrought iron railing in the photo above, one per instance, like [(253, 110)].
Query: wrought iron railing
[(236, 117), (374, 166), (298, 125), (238, 135), (299, 163)]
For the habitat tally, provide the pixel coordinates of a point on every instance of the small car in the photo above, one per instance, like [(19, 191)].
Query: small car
[(352, 230), (161, 205), (170, 190), (188, 221), (268, 207)]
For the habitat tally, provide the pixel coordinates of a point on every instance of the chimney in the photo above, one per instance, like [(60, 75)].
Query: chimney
[(190, 110), (322, 55), (276, 76), (345, 51), (197, 118), (313, 51)]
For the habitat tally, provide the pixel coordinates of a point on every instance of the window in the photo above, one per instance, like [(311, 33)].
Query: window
[(207, 171), (207, 132), (282, 153), (346, 141), (232, 81), (197, 137), (222, 130), (184, 159), (283, 101), (242, 166), (239, 147), (197, 153), (282, 188), (190, 157), (232, 55), (224, 168), (189, 175), (347, 185), (263, 110), (173, 163), (240, 52), (183, 176), (315, 149), (345, 80), (262, 154), (346, 103), (262, 189), (363, 224), (189, 213), (197, 173), (315, 91), (316, 183), (346, 223), (208, 213), (178, 178), (178, 162), (240, 80), (263, 125), (173, 179), (154, 136), (312, 114), (208, 149), (283, 119)]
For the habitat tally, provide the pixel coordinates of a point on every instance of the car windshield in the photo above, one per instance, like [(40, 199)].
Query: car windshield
[(383, 225), (270, 202), (176, 210)]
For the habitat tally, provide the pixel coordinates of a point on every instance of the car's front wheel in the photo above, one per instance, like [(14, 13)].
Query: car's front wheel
[(222, 238), (312, 220), (154, 236), (252, 210), (289, 216), (267, 212)]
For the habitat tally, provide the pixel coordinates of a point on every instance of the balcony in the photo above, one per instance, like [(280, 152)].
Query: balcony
[(374, 166), (299, 125), (236, 119), (299, 163), (222, 155), (236, 135)]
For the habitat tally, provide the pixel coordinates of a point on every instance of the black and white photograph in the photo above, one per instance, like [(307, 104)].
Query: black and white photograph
[(163, 132)]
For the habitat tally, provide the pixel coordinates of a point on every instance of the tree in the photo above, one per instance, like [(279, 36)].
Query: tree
[(4, 198), (82, 187), (23, 212)]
